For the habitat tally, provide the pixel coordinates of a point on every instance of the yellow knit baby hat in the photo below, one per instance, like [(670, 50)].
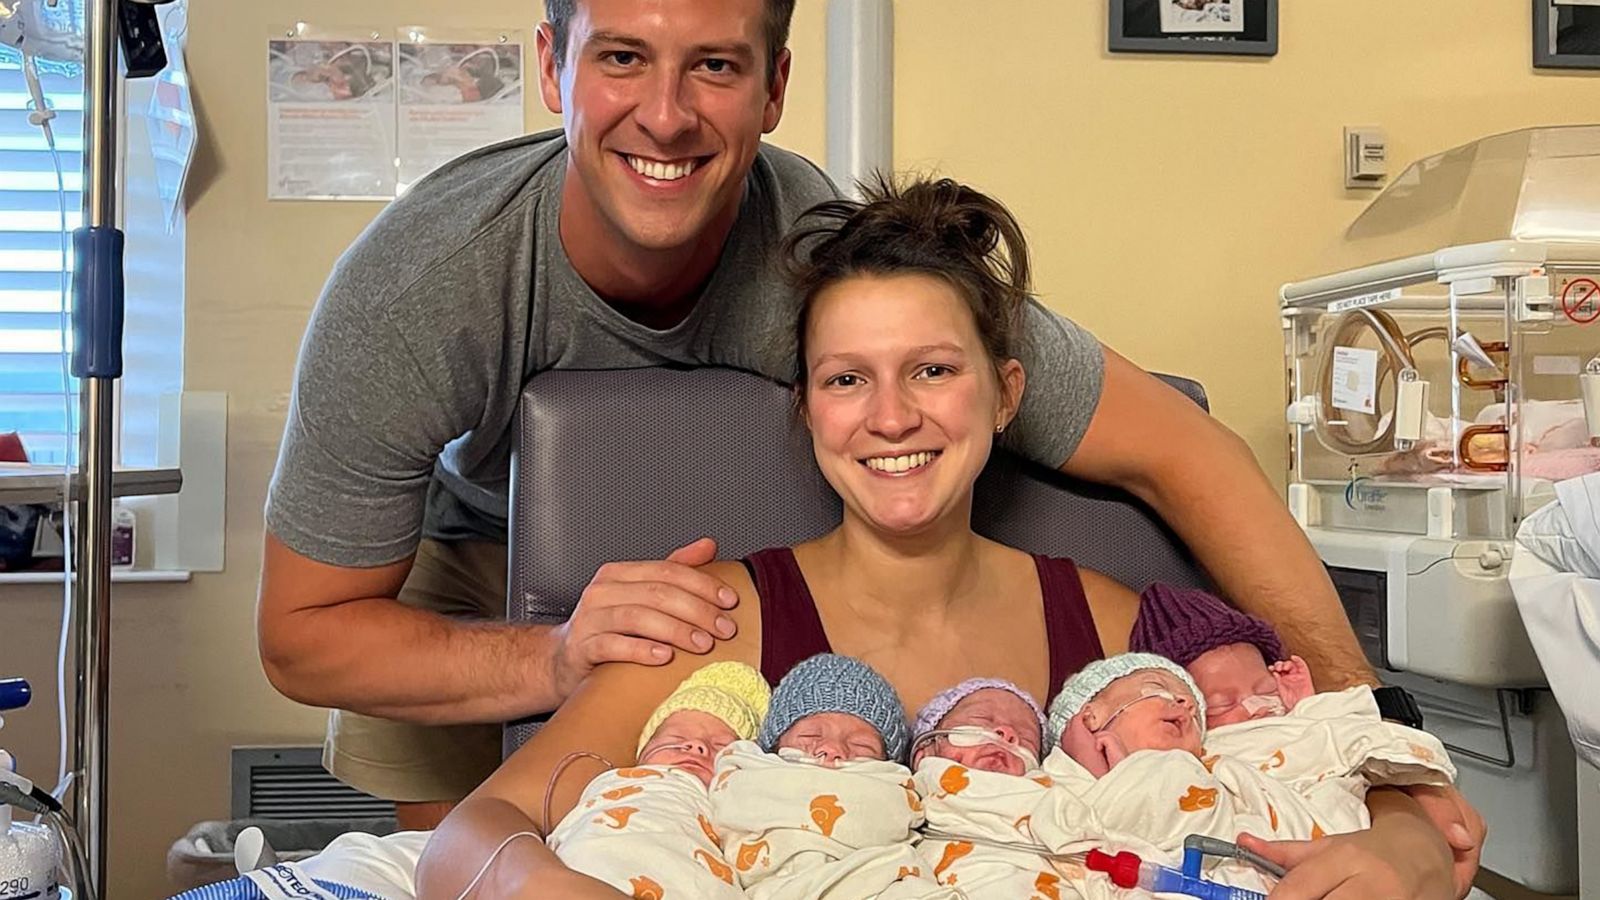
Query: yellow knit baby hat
[(731, 691)]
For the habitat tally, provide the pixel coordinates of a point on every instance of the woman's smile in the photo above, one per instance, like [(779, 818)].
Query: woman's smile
[(901, 465)]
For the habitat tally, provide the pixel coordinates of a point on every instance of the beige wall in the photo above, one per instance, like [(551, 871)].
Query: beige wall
[(1166, 200)]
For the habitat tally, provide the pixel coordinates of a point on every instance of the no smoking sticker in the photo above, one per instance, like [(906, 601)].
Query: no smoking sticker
[(1580, 300)]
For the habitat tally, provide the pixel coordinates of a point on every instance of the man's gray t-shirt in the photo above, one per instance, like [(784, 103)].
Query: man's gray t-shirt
[(401, 417)]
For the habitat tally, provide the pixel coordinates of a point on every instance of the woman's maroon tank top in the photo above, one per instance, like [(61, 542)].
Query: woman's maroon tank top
[(791, 630)]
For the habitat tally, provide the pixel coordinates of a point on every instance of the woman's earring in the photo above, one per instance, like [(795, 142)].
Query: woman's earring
[(1000, 429)]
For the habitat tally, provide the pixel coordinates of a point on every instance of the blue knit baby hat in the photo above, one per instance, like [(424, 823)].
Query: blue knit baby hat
[(828, 682)]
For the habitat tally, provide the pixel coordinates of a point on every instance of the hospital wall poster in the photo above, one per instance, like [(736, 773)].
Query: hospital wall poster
[(331, 117), (458, 92)]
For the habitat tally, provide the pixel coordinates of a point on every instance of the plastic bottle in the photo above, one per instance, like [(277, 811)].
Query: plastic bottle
[(30, 855)]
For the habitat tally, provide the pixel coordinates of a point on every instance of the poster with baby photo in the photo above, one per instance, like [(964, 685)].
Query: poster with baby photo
[(330, 116), (317, 71), (1202, 16), (452, 74), (458, 92)]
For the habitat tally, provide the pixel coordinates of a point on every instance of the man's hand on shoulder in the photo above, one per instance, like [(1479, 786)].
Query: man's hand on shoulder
[(643, 612)]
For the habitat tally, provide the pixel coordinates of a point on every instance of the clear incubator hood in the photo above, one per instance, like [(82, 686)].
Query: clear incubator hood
[(1439, 381), (1441, 384)]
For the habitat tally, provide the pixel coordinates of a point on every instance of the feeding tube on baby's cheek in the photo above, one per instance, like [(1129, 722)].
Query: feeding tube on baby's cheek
[(978, 736)]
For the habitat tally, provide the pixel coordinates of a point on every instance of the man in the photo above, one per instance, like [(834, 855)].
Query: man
[(642, 235)]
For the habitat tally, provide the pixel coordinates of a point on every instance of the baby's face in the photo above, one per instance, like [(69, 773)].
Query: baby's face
[(996, 710), (833, 737), (1239, 685), (688, 739), (1147, 710)]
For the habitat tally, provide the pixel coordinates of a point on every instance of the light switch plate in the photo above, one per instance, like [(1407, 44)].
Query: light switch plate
[(1366, 157)]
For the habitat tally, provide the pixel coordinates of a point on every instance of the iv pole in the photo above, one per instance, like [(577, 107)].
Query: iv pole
[(97, 310), (97, 363)]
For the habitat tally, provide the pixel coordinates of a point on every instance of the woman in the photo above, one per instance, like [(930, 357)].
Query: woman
[(905, 379)]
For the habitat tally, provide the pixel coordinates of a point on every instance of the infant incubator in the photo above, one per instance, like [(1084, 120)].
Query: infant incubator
[(1437, 388)]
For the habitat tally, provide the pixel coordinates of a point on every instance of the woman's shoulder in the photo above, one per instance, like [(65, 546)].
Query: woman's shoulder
[(745, 645), (1007, 555), (735, 574)]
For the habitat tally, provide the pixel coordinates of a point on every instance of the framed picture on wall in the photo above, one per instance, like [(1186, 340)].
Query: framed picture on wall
[(1235, 27), (1566, 34)]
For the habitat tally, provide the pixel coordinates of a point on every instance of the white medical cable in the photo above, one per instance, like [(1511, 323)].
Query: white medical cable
[(1151, 694), (473, 884), (41, 117)]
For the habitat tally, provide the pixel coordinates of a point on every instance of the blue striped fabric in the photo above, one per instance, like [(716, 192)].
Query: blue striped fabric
[(280, 882)]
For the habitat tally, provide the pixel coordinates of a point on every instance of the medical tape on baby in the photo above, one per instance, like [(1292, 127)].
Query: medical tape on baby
[(1272, 704), (977, 736)]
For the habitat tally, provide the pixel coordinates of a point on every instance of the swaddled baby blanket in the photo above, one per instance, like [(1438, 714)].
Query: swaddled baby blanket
[(978, 836), (1333, 746), (646, 831), (1293, 777), (795, 830)]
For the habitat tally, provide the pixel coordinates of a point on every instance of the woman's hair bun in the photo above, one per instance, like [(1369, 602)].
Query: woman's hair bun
[(929, 226)]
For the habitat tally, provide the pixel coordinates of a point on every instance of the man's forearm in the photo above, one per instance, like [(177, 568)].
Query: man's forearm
[(1238, 527), (381, 658)]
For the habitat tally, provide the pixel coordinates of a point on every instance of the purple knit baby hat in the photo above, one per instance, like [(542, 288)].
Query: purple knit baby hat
[(940, 706), (1182, 623)]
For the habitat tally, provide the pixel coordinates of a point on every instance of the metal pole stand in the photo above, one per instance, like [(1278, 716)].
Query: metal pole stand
[(97, 291)]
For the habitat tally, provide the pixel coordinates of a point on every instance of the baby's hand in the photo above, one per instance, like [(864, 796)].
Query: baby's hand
[(1294, 680), (1095, 752)]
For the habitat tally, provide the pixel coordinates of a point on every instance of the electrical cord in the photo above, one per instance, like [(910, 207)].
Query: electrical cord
[(49, 805)]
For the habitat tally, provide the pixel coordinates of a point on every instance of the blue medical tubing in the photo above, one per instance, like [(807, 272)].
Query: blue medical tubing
[(1160, 878), (1198, 846), (14, 693), (97, 294), (1127, 870)]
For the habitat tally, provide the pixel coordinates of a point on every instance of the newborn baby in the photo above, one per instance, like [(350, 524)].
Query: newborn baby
[(976, 753), (820, 806), (1137, 770), (1260, 705), (646, 829), (987, 724), (1237, 660), (1155, 705)]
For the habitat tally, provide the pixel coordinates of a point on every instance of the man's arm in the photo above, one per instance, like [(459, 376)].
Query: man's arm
[(335, 636), (1202, 479)]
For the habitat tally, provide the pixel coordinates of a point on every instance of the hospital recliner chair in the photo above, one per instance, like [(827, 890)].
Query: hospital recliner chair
[(625, 465)]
